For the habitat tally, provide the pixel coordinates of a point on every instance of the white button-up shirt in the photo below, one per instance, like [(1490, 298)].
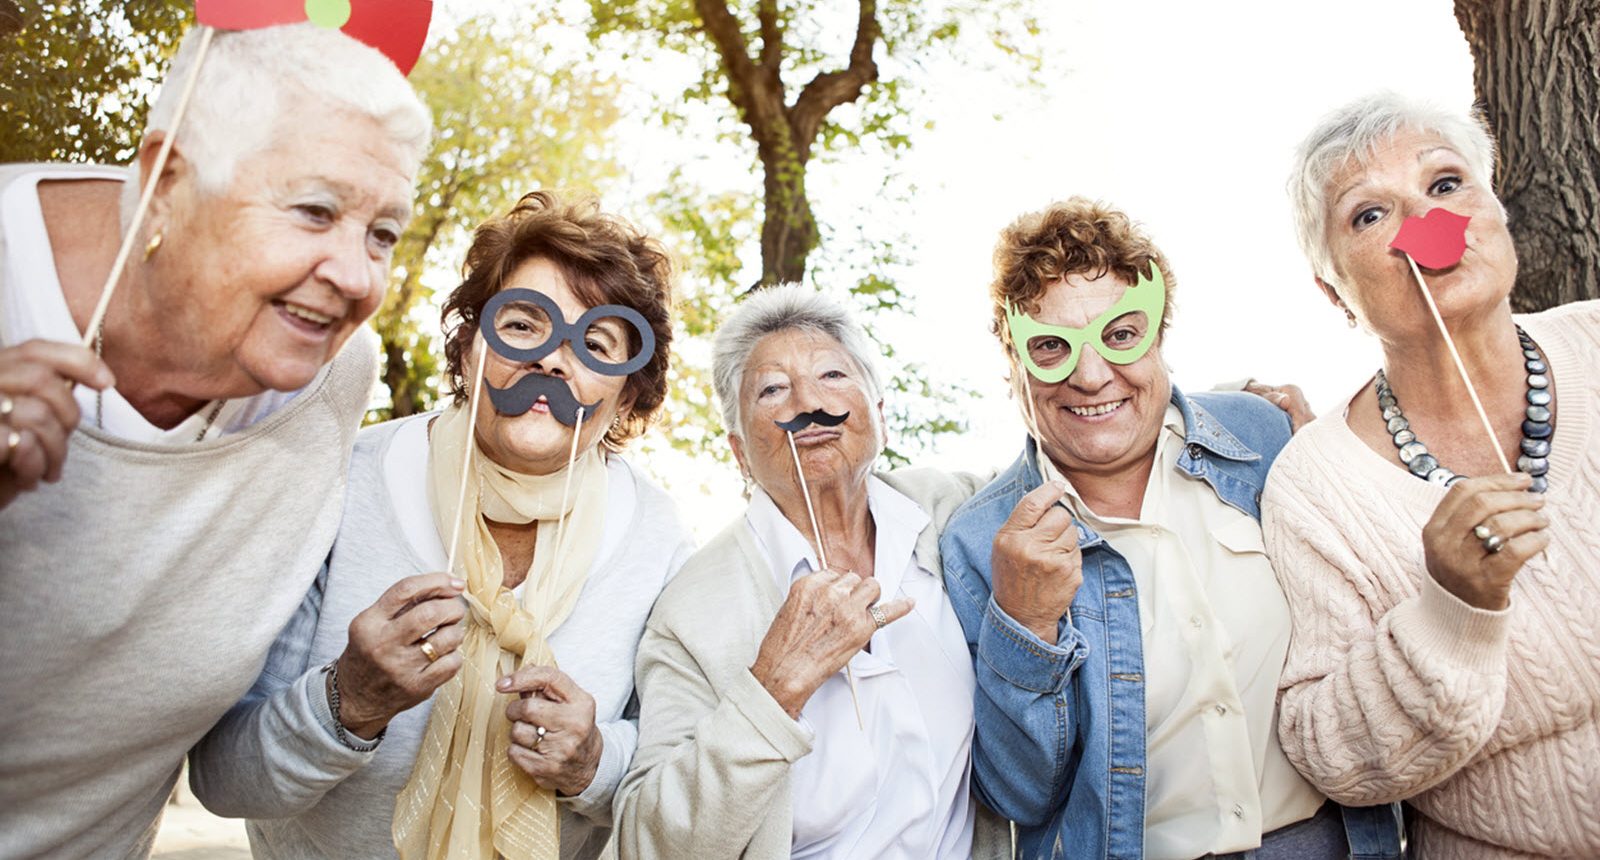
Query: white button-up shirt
[(1215, 628), (899, 787)]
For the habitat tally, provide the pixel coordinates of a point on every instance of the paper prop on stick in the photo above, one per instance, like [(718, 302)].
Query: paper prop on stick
[(1050, 352), (526, 325), (792, 426), (396, 27), (1437, 240)]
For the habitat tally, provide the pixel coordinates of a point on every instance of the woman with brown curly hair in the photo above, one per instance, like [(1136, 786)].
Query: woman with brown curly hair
[(480, 711), (1127, 627)]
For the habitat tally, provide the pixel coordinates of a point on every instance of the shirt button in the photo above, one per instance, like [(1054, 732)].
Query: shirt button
[(1194, 621), (1238, 811), (1222, 709)]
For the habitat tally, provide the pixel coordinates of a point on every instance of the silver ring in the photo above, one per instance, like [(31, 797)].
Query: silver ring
[(13, 439), (1481, 531), (6, 405), (1493, 544), (538, 735), (878, 618)]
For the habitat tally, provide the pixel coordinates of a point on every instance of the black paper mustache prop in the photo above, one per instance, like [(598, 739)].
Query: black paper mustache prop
[(519, 397), (819, 417)]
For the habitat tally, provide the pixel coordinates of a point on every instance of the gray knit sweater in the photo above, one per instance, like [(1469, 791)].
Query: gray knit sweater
[(138, 598), (275, 760)]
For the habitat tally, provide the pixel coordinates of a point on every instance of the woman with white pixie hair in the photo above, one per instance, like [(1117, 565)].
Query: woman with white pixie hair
[(1444, 649), (784, 710), (162, 520)]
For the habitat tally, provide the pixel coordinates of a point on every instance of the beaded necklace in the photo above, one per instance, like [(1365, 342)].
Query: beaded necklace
[(1537, 429)]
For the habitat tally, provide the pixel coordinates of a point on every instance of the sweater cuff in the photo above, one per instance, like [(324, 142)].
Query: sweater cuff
[(619, 738), (312, 691), (1018, 655), (1463, 635), (788, 738)]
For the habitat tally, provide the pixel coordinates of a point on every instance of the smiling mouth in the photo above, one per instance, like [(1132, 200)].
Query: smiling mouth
[(1098, 409), (816, 435), (304, 314)]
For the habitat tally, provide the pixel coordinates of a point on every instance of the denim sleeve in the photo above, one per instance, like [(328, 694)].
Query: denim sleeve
[(1024, 720)]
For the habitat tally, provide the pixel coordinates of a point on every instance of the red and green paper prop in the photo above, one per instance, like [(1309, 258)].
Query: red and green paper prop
[(395, 27), (1436, 241)]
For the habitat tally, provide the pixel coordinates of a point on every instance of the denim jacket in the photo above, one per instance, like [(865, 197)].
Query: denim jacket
[(1060, 740)]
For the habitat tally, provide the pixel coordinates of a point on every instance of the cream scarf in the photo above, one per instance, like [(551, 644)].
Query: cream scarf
[(465, 799)]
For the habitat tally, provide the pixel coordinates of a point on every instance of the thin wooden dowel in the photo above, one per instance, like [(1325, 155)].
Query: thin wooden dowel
[(466, 454), (1461, 367), (566, 488), (822, 558), (131, 237)]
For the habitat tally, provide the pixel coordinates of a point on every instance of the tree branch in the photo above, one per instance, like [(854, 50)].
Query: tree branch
[(828, 90), (759, 103), (771, 37)]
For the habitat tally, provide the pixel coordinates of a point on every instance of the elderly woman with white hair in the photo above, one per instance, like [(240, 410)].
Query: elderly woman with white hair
[(792, 707), (163, 521), (1444, 648)]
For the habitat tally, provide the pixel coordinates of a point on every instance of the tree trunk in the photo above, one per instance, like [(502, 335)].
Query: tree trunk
[(10, 19), (404, 398), (788, 230), (1537, 73)]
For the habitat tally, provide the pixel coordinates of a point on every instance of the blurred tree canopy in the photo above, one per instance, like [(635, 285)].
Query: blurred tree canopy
[(76, 75)]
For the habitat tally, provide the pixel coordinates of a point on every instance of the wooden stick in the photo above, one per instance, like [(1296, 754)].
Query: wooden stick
[(1032, 413), (466, 454), (822, 557), (566, 487), (132, 235), (1461, 368)]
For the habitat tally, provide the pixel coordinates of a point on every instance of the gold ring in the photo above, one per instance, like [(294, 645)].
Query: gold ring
[(428, 651), (6, 405), (13, 439)]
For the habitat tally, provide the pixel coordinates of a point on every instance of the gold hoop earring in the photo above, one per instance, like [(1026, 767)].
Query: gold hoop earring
[(153, 245)]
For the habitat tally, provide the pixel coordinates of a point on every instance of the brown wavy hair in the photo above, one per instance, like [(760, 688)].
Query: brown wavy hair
[(604, 259), (1075, 236)]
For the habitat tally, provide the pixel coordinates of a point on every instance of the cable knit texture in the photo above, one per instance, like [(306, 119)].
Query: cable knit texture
[(1395, 689)]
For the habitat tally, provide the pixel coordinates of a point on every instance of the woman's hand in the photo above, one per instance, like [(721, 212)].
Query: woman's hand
[(385, 669), (1457, 558), (1035, 562), (823, 623), (37, 410), (1289, 398), (565, 756)]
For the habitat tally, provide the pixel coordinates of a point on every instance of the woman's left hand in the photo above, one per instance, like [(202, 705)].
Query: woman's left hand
[(565, 757), (1289, 398)]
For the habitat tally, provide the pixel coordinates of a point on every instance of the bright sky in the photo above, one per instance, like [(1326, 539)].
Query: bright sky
[(1183, 114)]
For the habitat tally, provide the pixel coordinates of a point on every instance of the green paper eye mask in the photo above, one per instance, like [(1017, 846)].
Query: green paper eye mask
[(1050, 352)]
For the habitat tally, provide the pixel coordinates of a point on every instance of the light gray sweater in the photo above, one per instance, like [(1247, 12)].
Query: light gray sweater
[(275, 759), (138, 598), (711, 777)]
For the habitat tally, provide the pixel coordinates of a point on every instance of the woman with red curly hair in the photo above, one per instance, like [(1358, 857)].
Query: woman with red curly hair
[(1127, 627), (480, 711)]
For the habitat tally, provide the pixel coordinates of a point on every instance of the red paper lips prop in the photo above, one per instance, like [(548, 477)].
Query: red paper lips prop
[(1436, 240), (396, 27)]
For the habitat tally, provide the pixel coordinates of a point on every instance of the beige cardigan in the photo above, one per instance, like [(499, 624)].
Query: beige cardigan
[(710, 778)]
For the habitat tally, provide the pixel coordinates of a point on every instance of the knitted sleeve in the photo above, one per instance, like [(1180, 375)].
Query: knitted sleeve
[(1388, 688)]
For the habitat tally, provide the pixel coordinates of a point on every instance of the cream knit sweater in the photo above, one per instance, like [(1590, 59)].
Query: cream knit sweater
[(1394, 689)]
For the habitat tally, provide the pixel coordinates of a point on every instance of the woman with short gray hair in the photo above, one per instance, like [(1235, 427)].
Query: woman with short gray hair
[(805, 689), (1443, 650), (162, 521)]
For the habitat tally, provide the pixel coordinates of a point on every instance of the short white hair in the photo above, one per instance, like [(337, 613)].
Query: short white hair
[(781, 308), (249, 76), (1354, 132)]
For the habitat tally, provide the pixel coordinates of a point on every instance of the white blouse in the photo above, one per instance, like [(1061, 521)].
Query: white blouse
[(1215, 628), (899, 787)]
